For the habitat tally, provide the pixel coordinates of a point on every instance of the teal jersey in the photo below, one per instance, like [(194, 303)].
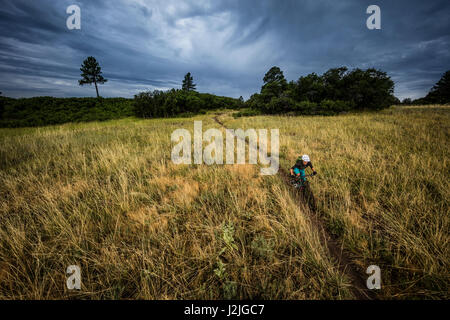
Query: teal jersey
[(300, 166)]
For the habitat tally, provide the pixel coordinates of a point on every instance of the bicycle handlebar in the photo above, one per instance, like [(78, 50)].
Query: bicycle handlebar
[(308, 175)]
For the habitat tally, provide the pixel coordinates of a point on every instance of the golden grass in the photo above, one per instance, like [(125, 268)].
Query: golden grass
[(383, 189), (106, 197)]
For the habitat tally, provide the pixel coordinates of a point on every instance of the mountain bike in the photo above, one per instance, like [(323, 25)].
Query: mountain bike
[(302, 185), (299, 183)]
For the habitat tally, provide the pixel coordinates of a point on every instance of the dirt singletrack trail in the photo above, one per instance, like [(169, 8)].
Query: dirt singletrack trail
[(335, 249)]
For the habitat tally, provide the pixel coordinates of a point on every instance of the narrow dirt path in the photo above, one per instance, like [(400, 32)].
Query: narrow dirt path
[(337, 252)]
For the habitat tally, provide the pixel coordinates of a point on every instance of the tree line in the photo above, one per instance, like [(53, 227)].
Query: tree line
[(163, 104), (337, 90), (42, 111), (438, 94), (184, 102)]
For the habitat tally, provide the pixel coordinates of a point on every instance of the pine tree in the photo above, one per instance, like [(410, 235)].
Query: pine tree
[(91, 73), (188, 83), (440, 93), (274, 83)]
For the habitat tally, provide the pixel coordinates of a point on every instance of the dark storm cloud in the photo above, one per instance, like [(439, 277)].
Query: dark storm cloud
[(227, 45)]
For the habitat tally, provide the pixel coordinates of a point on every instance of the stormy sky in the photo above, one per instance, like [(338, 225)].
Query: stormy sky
[(227, 45)]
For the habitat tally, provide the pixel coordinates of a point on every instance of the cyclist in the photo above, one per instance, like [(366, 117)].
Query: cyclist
[(301, 164)]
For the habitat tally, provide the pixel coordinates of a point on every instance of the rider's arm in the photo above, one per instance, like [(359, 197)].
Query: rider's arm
[(312, 168)]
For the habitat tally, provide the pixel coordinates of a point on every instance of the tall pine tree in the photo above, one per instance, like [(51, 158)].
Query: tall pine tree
[(188, 83), (440, 93), (91, 73)]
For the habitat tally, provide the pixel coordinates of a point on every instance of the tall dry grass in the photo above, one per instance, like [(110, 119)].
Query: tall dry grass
[(383, 189), (106, 197)]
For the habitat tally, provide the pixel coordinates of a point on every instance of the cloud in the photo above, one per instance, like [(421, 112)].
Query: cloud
[(227, 45)]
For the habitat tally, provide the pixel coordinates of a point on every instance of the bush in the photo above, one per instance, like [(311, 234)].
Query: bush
[(42, 111), (279, 105), (180, 103), (330, 107), (287, 105), (305, 107), (247, 113)]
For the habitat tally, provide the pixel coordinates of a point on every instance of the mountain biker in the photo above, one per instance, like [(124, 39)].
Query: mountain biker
[(301, 164)]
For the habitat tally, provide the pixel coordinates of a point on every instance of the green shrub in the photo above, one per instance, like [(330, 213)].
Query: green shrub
[(154, 104), (279, 105), (40, 111), (305, 107), (330, 107), (284, 105), (247, 113)]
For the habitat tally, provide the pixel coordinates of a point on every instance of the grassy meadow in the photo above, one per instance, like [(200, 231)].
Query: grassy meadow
[(107, 197)]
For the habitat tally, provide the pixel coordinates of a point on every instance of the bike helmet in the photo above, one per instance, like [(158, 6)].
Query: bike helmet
[(305, 157)]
